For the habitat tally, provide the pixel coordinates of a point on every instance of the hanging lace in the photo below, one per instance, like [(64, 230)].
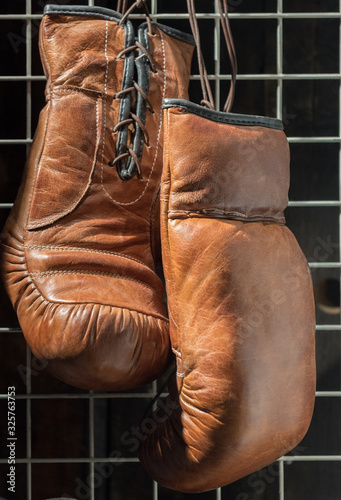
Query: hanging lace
[(122, 6), (208, 100)]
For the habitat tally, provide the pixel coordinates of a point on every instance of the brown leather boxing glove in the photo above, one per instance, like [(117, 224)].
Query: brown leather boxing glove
[(240, 302), (78, 247), (240, 298)]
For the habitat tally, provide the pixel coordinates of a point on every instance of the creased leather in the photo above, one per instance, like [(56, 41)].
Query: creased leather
[(240, 304), (78, 262)]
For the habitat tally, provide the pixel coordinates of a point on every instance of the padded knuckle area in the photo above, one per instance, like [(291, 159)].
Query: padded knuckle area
[(80, 342)]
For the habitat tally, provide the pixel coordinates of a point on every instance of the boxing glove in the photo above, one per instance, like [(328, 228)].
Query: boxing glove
[(240, 303), (79, 244)]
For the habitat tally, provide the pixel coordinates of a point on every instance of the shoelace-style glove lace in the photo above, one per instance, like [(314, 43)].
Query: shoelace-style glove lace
[(129, 150)]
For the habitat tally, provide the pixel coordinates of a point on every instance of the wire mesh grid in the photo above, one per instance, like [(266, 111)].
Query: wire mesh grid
[(279, 77)]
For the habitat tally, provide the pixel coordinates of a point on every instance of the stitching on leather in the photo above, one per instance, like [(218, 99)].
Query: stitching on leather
[(44, 222), (104, 107), (44, 57), (238, 121), (153, 212), (179, 35), (97, 122), (176, 352), (37, 169), (44, 299), (44, 274), (84, 13), (225, 215), (105, 90), (217, 118), (158, 136), (173, 32), (43, 144), (167, 192), (80, 249), (106, 58), (97, 93)]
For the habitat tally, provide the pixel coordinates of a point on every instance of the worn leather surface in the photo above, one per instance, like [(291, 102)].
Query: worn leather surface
[(79, 245), (241, 307)]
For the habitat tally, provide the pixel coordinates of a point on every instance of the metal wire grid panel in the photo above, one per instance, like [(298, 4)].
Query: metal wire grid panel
[(279, 77)]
